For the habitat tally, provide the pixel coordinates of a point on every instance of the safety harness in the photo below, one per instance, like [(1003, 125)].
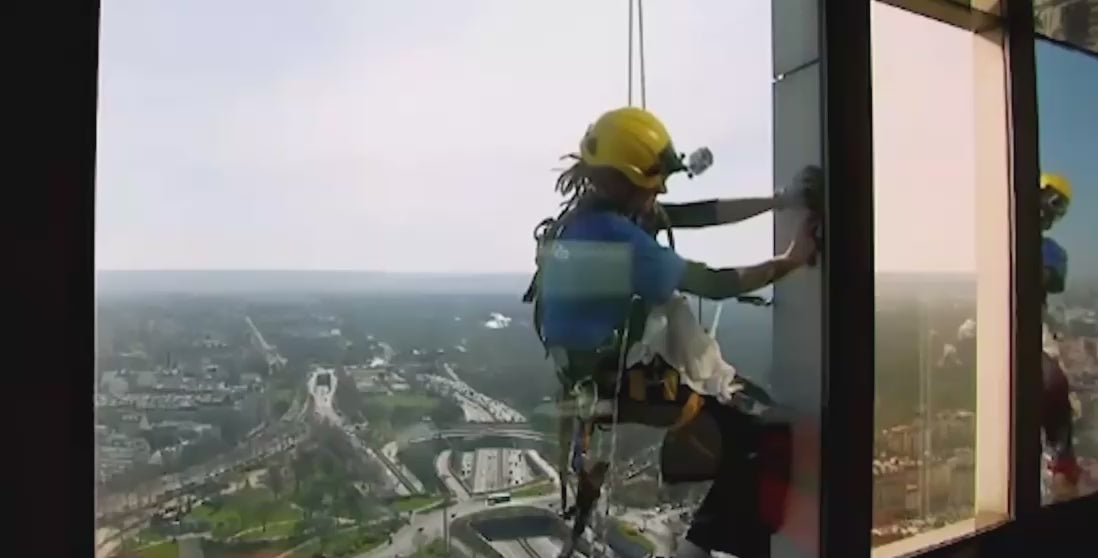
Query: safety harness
[(593, 382)]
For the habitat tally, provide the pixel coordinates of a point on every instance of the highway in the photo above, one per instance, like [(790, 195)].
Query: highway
[(389, 453), (514, 549), (269, 352), (477, 406), (431, 524), (125, 520), (128, 521), (277, 437), (323, 403), (485, 470), (546, 469), (323, 395), (661, 528), (442, 466), (544, 547), (501, 430), (114, 507), (490, 473)]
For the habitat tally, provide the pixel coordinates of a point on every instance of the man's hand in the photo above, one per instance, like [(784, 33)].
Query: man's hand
[(803, 247), (805, 191)]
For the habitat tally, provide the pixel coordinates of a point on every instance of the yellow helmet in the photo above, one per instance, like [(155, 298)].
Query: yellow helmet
[(634, 142), (1057, 183), (1055, 199)]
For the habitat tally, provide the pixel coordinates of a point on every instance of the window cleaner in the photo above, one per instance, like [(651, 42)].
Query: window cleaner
[(601, 273)]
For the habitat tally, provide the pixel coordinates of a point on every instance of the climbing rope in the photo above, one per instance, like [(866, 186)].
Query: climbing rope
[(639, 43), (611, 473), (640, 39), (629, 60)]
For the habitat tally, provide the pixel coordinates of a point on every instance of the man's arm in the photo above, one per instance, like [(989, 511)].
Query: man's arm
[(805, 191), (719, 284), (716, 212), (657, 271)]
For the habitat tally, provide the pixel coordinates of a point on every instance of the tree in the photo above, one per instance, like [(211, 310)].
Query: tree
[(328, 466), (279, 407), (264, 509), (301, 466), (276, 480), (323, 526), (446, 414), (311, 500), (375, 473)]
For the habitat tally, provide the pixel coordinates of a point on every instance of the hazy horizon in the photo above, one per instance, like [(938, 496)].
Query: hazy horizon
[(243, 281)]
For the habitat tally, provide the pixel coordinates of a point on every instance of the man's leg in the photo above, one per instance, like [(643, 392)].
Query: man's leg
[(743, 453), (1056, 421), (746, 502)]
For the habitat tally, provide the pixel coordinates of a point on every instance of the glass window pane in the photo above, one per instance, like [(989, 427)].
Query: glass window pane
[(942, 256), (1066, 82), (1071, 21), (387, 389)]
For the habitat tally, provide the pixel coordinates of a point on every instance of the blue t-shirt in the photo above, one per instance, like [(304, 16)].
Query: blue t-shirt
[(591, 272), (1056, 262)]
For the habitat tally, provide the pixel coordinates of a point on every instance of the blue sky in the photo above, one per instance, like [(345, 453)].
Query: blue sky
[(401, 136), (1067, 89)]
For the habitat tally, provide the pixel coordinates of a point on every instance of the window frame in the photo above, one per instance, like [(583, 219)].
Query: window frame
[(846, 499), (1061, 523)]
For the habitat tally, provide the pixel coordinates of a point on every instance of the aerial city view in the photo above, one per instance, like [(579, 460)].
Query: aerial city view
[(351, 423), (340, 423), (316, 233)]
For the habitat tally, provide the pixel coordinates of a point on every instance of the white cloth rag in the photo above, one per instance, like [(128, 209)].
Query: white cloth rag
[(673, 333)]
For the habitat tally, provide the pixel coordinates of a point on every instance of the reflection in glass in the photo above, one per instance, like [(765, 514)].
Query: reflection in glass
[(1070, 21), (1066, 81), (924, 474), (937, 198)]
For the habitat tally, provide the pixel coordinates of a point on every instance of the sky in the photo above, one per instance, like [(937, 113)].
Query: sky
[(402, 136), (421, 136)]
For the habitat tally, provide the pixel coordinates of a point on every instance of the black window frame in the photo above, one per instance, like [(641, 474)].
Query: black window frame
[(56, 288)]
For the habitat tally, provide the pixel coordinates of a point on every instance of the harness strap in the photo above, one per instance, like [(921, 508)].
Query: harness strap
[(565, 425), (638, 380), (670, 384), (689, 412), (638, 384)]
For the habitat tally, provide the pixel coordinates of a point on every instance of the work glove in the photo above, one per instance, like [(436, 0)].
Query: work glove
[(722, 384), (806, 190)]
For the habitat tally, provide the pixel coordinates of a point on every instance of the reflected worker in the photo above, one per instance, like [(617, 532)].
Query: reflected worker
[(1056, 411)]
